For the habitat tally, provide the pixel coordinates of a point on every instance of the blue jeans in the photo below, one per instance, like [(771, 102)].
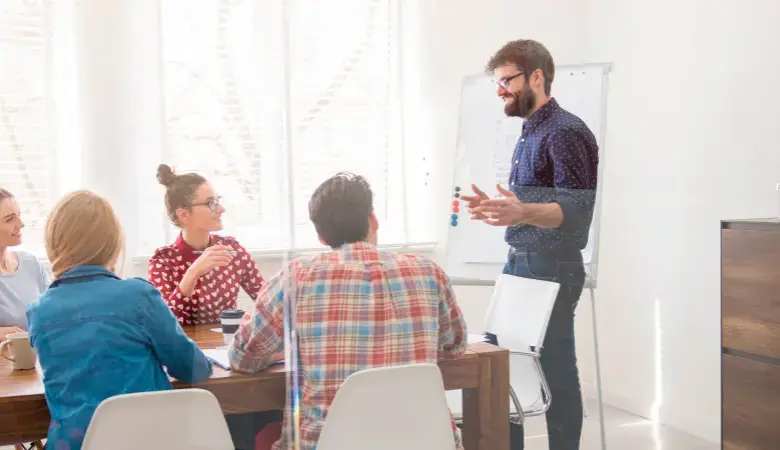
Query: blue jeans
[(558, 357)]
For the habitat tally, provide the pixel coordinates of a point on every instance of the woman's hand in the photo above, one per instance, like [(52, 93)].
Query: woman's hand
[(213, 257)]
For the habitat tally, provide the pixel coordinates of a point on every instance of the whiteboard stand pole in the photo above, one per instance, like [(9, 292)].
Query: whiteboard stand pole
[(598, 369)]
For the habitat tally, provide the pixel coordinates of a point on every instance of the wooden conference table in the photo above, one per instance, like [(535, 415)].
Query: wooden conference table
[(483, 374)]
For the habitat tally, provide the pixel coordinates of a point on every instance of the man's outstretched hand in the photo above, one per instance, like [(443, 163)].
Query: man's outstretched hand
[(475, 201), (502, 212)]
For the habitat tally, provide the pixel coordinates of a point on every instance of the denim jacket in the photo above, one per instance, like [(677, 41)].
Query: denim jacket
[(98, 336)]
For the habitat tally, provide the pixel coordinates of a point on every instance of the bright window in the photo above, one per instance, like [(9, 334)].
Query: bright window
[(268, 99), (25, 125)]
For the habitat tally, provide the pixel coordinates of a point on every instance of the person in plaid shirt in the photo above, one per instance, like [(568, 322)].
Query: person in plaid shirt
[(356, 308)]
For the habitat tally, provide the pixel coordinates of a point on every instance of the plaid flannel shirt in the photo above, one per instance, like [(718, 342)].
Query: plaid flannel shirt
[(357, 308)]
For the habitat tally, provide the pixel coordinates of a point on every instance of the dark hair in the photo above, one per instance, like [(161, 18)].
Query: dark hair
[(179, 189), (340, 208), (528, 56), (4, 194)]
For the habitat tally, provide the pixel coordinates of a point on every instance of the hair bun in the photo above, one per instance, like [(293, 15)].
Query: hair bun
[(165, 175)]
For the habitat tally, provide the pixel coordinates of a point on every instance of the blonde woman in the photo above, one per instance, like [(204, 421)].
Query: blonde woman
[(98, 335)]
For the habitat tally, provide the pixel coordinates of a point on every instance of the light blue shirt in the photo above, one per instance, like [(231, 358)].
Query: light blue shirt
[(19, 289), (98, 336)]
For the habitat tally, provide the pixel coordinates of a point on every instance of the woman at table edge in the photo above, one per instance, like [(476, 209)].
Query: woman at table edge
[(97, 335), (200, 274), (22, 277)]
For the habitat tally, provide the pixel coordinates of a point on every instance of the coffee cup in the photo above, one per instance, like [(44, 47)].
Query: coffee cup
[(230, 319), (19, 351)]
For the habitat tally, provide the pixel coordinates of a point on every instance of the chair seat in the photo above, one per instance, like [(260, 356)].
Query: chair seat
[(180, 419), (399, 407)]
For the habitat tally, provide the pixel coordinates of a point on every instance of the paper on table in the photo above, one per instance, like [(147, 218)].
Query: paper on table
[(219, 357)]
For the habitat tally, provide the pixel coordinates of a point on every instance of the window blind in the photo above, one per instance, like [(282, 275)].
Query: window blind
[(267, 99), (24, 112)]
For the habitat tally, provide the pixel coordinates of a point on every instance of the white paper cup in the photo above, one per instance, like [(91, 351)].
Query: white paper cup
[(230, 320)]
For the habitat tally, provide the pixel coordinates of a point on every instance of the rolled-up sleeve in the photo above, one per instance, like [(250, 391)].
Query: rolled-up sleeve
[(575, 163), (261, 333)]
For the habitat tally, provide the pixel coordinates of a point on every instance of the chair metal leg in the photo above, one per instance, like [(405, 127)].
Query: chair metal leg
[(37, 445), (520, 419), (598, 371)]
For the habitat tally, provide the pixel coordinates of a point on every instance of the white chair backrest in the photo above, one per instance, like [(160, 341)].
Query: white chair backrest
[(520, 310), (177, 419), (389, 408)]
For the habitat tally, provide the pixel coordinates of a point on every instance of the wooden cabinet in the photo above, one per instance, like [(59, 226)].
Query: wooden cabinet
[(750, 342)]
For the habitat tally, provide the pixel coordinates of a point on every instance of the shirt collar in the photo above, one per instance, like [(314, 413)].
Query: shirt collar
[(538, 117), (185, 248), (359, 251), (84, 271)]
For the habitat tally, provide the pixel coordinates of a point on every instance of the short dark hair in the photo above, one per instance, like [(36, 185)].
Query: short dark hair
[(340, 208), (179, 189), (528, 56)]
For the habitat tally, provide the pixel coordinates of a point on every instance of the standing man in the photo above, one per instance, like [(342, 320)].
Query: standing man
[(547, 210)]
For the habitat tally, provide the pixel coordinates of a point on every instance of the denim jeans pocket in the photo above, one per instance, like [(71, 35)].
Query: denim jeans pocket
[(541, 267)]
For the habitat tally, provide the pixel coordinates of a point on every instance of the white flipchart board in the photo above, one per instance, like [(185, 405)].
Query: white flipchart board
[(486, 140)]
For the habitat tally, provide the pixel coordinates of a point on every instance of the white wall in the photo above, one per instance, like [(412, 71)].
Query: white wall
[(694, 99)]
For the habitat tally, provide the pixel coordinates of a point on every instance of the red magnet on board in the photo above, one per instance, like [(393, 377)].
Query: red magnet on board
[(455, 203)]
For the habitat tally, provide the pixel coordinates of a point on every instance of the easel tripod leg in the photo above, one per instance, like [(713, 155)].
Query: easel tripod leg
[(598, 371)]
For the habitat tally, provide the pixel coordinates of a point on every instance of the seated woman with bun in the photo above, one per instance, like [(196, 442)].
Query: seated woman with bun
[(201, 273)]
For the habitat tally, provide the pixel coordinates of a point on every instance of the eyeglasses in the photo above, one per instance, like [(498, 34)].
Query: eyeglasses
[(504, 82), (212, 204)]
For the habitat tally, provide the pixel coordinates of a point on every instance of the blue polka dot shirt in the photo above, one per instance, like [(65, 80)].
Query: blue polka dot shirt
[(555, 161)]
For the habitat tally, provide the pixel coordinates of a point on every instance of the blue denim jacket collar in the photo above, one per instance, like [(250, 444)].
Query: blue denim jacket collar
[(85, 271)]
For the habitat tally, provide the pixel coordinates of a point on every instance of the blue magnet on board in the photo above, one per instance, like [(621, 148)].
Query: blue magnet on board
[(454, 217), (454, 223)]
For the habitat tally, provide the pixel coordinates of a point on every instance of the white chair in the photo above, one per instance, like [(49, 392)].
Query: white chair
[(518, 315), (390, 408), (167, 420)]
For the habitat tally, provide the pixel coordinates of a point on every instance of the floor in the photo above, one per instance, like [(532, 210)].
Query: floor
[(624, 431)]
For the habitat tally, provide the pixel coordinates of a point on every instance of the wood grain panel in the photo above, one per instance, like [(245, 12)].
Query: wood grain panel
[(23, 421), (751, 291), (751, 404)]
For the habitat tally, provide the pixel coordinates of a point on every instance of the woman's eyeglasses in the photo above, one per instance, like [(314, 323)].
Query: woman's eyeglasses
[(213, 204)]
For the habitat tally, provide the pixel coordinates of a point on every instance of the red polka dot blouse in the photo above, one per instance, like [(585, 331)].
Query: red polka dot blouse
[(214, 292)]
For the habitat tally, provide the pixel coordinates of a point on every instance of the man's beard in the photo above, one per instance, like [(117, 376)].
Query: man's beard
[(523, 103)]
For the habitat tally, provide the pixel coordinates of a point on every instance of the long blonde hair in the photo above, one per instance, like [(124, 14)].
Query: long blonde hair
[(83, 230)]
